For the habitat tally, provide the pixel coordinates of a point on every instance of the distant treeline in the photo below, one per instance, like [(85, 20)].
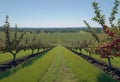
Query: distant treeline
[(54, 30)]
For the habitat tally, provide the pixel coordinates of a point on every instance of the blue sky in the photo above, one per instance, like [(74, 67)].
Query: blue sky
[(51, 13)]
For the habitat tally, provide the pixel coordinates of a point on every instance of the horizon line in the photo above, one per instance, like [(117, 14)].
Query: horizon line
[(53, 27)]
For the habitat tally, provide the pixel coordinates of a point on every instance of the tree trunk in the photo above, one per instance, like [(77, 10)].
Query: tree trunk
[(44, 49), (32, 51), (14, 60), (80, 50), (90, 54), (14, 56), (109, 62), (38, 50)]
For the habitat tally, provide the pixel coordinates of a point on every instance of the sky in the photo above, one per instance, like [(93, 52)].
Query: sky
[(52, 13)]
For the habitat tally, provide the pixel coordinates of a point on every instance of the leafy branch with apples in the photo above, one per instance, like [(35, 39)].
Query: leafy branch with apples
[(110, 46)]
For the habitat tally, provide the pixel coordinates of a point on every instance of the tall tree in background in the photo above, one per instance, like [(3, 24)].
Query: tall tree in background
[(12, 46)]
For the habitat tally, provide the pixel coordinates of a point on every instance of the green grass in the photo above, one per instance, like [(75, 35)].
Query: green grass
[(32, 72), (84, 71), (53, 37), (58, 65), (58, 70), (115, 61), (24, 64), (7, 56)]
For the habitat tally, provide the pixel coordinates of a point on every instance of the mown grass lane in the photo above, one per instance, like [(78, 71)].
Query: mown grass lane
[(59, 65)]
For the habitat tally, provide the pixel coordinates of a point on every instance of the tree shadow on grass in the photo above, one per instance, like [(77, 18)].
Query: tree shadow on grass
[(28, 62), (103, 77)]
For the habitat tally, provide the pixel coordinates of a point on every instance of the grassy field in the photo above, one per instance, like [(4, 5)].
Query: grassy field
[(54, 38), (57, 65)]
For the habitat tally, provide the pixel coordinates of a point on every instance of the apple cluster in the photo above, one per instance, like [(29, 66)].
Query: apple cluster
[(111, 48), (109, 32)]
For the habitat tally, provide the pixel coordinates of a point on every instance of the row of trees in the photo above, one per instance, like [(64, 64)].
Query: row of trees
[(107, 47), (77, 45), (19, 41)]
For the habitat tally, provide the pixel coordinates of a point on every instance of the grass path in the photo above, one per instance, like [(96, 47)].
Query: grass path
[(58, 70), (58, 65)]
